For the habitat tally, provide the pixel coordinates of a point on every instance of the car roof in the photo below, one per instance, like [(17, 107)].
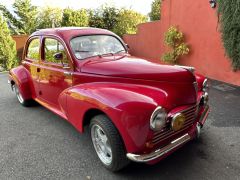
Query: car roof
[(70, 32)]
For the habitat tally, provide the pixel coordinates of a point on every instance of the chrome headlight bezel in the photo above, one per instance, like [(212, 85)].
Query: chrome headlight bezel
[(205, 85), (158, 119)]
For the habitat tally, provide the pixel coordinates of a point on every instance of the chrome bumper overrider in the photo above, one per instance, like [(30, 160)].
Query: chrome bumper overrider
[(160, 152)]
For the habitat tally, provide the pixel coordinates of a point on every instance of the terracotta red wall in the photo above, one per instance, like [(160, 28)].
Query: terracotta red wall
[(20, 42), (199, 22)]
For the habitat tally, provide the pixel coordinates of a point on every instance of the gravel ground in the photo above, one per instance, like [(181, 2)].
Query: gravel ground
[(37, 144)]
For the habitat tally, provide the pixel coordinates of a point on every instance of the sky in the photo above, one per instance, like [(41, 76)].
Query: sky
[(142, 6)]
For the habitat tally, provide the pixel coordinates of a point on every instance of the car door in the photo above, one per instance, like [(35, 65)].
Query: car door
[(55, 75), (31, 60)]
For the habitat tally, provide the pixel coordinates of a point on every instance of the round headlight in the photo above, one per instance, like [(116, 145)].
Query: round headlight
[(205, 85), (178, 121), (158, 119)]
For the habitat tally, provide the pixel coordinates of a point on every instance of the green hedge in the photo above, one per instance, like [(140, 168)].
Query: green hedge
[(229, 13)]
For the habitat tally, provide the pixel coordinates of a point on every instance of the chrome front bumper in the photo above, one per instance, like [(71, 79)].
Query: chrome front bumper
[(159, 152), (173, 145)]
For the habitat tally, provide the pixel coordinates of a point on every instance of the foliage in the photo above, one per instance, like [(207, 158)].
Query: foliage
[(7, 47), (105, 17), (120, 21), (127, 22), (29, 18), (75, 17), (175, 40), (49, 17), (230, 27), (25, 20), (95, 18), (155, 13), (110, 17)]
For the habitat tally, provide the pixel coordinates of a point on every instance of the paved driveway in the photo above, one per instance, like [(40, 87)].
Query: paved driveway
[(37, 144)]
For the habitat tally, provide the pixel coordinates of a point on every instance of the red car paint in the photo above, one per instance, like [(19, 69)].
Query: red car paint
[(127, 89)]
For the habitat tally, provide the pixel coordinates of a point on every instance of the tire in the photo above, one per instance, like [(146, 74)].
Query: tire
[(21, 100), (108, 143)]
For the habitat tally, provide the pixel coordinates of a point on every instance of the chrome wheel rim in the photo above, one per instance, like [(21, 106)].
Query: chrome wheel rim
[(18, 94), (101, 144)]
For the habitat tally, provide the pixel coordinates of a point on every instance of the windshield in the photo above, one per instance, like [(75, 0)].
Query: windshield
[(95, 45)]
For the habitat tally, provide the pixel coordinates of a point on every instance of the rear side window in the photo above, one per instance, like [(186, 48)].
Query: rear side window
[(51, 47), (33, 49)]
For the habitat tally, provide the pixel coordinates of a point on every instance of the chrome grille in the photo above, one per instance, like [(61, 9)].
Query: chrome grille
[(190, 114)]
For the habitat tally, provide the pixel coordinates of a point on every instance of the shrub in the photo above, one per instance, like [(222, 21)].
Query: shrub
[(127, 22), (120, 21), (230, 27), (104, 17), (175, 40), (7, 47), (75, 17), (155, 13)]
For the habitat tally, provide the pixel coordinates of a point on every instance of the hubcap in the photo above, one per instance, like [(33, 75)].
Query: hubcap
[(101, 144), (19, 96)]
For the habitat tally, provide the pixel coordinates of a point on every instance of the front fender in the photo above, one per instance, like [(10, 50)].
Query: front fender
[(21, 77), (129, 106)]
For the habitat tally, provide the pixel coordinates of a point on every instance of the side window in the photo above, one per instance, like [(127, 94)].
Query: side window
[(33, 49), (51, 47)]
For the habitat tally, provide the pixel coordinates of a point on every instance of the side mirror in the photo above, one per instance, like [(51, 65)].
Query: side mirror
[(127, 46), (58, 56)]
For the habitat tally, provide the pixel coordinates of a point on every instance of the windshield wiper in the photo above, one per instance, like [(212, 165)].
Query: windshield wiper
[(107, 54), (82, 51), (120, 51)]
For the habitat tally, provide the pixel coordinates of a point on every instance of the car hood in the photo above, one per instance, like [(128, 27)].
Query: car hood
[(136, 68)]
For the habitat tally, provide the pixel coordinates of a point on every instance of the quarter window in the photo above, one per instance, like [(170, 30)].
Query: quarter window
[(51, 47), (33, 49)]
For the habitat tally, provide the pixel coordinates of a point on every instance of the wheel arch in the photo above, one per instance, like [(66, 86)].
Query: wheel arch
[(89, 114), (21, 77)]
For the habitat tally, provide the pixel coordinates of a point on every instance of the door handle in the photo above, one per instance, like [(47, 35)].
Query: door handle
[(67, 73), (38, 69)]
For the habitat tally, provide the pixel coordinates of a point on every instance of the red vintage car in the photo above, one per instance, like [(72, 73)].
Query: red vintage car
[(136, 110)]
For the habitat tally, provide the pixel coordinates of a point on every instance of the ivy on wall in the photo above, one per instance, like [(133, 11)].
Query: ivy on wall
[(174, 39), (229, 11)]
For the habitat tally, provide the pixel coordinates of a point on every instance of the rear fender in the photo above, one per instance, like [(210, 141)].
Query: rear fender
[(129, 106), (21, 77)]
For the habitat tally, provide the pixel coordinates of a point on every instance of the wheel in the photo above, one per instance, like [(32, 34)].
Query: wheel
[(108, 143), (20, 98)]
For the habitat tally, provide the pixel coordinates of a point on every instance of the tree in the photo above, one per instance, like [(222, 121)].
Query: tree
[(7, 47), (155, 13), (110, 17), (95, 18), (25, 20), (105, 17), (127, 22), (49, 17), (75, 17)]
